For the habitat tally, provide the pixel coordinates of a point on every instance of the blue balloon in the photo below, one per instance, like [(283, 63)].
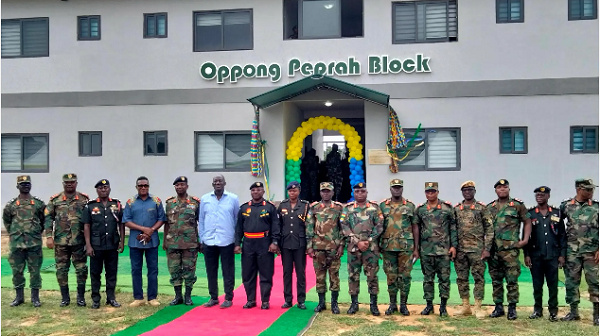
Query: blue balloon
[(359, 162), (352, 160)]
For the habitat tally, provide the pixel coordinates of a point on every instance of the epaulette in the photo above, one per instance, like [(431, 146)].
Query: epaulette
[(304, 201), (409, 201), (337, 203), (273, 204), (595, 201), (196, 199), (53, 196), (448, 203), (481, 203), (457, 205), (518, 200), (492, 202), (84, 194), (156, 199), (11, 201), (116, 200), (37, 198), (285, 200), (314, 203), (350, 203), (170, 198), (92, 200), (385, 200), (374, 202), (131, 200), (420, 205)]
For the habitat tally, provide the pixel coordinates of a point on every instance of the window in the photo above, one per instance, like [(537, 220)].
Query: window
[(316, 19), (223, 30), (25, 38), (424, 21), (222, 151), (513, 140), (434, 149), (155, 143), (155, 25), (90, 143), (584, 139), (25, 152), (88, 27), (583, 10), (508, 11)]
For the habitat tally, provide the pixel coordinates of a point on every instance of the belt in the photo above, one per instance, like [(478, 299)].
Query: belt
[(256, 234)]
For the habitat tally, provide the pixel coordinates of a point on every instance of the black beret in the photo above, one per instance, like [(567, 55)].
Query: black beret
[(102, 183), (542, 189), (501, 182), (257, 185), (293, 185), (360, 185), (180, 179)]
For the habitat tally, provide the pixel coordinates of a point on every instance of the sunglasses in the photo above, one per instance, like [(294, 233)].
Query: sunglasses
[(143, 185)]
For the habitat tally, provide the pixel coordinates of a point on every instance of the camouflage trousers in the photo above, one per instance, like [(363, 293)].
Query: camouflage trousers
[(397, 266), (505, 265), (465, 262), (64, 255), (356, 261), (575, 263), (323, 262), (430, 266), (182, 266), (31, 256)]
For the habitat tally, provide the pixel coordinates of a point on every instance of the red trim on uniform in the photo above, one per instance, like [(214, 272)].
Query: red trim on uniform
[(550, 209), (264, 203), (76, 196), (573, 201), (512, 203), (18, 203), (589, 202), (32, 202), (64, 197), (537, 210)]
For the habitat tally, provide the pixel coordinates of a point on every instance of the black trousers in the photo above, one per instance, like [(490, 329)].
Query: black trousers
[(110, 260), (294, 259), (211, 259), (548, 269), (256, 259)]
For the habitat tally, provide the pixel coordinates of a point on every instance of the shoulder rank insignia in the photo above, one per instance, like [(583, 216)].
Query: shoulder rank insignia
[(481, 203), (196, 199), (85, 195), (448, 203), (350, 203), (53, 196), (313, 204), (131, 200), (518, 200), (156, 199), (338, 203), (170, 198)]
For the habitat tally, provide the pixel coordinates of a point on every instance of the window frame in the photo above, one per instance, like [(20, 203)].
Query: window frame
[(89, 38), (154, 15), (584, 128), (512, 139), (88, 133), (47, 20), (21, 136), (426, 131), (157, 132), (415, 2), (224, 159), (222, 12), (581, 17), (508, 20)]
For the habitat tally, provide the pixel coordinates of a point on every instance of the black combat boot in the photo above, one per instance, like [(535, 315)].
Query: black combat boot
[(393, 305), (20, 299), (35, 297), (188, 296), (334, 304), (595, 313), (573, 315), (498, 310), (374, 308), (428, 309), (403, 309), (66, 297), (178, 298), (321, 306), (81, 295), (443, 311), (512, 311), (354, 305)]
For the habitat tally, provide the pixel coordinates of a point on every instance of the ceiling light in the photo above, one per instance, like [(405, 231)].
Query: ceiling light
[(328, 6), (328, 103)]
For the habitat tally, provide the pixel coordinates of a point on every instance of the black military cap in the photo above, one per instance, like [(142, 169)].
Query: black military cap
[(360, 185), (102, 182), (293, 185), (501, 182), (180, 179), (257, 185), (542, 189)]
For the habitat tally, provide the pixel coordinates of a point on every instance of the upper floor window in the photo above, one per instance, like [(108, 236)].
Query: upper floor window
[(25, 152), (25, 37), (88, 27), (513, 140), (155, 143), (583, 9), (424, 21), (90, 143), (223, 30), (508, 11), (435, 149), (155, 25), (584, 139), (316, 19)]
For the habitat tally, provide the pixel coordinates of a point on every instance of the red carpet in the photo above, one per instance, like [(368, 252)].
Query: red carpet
[(235, 320)]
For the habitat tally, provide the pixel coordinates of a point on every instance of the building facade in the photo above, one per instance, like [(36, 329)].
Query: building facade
[(118, 89)]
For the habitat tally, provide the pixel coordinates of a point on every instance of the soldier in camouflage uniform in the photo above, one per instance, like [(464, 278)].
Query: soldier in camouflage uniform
[(437, 227), (507, 215), (581, 213), (325, 245), (399, 244), (475, 233), (181, 240), (64, 234), (362, 224), (23, 219)]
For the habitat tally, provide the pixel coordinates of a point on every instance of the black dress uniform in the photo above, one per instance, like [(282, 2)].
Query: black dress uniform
[(547, 243), (104, 221), (293, 248), (257, 227)]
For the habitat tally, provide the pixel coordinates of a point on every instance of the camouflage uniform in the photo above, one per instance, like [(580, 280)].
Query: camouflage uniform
[(63, 222), (23, 220), (504, 261), (438, 234), (362, 223), (323, 235), (475, 233), (397, 244), (181, 240), (582, 244)]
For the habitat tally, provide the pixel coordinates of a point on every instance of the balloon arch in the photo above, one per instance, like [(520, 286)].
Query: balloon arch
[(296, 142)]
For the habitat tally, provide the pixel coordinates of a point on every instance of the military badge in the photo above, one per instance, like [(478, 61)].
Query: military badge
[(95, 211)]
